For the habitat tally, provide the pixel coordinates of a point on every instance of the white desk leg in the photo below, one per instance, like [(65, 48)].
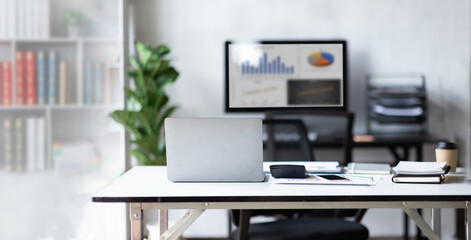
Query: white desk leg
[(468, 220), (136, 221), (163, 219), (420, 222), (181, 225), (436, 220)]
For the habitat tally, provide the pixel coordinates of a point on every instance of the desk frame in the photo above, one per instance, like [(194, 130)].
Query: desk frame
[(197, 208)]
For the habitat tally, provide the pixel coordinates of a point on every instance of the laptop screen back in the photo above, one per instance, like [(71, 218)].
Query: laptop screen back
[(214, 149)]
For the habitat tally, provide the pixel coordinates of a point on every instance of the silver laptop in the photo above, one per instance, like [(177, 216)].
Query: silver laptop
[(214, 149)]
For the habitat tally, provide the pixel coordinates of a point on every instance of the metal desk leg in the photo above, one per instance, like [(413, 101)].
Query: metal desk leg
[(136, 221), (406, 227), (420, 222), (163, 220), (181, 225), (436, 221), (468, 220)]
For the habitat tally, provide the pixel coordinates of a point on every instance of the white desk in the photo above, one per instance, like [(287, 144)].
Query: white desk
[(148, 187)]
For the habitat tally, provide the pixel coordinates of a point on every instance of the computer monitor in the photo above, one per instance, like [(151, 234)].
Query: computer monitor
[(281, 75)]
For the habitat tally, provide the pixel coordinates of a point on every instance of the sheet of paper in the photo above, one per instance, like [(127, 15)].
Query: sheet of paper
[(354, 180), (408, 167)]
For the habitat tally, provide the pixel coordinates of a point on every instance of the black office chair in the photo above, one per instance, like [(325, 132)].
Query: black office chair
[(298, 224)]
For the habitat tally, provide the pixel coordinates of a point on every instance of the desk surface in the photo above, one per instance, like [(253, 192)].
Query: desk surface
[(150, 184)]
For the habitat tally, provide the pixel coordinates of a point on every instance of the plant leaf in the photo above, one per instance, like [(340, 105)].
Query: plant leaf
[(162, 117), (141, 156), (133, 94), (162, 50), (143, 51), (169, 76), (149, 143), (125, 118), (143, 121), (134, 63)]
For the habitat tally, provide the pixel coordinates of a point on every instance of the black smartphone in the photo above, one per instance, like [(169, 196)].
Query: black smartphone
[(333, 177)]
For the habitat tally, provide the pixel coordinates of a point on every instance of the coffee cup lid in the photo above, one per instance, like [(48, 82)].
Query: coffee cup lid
[(446, 145)]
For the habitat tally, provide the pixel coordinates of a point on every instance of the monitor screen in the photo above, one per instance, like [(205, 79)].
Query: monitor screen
[(275, 75)]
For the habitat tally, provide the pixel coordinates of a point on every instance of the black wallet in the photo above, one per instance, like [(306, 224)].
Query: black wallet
[(288, 171)]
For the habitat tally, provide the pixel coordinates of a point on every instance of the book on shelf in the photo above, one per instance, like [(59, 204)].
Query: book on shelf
[(30, 78), (3, 19), (41, 77), (98, 82), (40, 143), (44, 18), (19, 144), (1, 83), (107, 82), (8, 144), (20, 78), (35, 144), (32, 18), (7, 84), (28, 22), (6, 19), (62, 83), (368, 168), (52, 77), (88, 83), (30, 144), (20, 18)]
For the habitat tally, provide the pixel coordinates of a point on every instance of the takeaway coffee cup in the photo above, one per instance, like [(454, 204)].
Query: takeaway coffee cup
[(447, 152)]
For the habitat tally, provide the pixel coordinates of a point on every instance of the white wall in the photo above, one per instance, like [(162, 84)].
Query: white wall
[(426, 36)]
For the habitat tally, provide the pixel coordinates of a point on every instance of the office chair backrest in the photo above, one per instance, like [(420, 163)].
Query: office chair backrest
[(332, 128), (286, 132)]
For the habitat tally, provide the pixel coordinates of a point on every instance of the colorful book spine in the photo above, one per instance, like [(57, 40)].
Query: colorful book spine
[(8, 144), (19, 155), (7, 84), (30, 78), (31, 144), (62, 83), (20, 79), (41, 67), (88, 82), (52, 78)]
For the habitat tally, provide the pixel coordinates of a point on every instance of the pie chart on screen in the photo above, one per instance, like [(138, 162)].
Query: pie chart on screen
[(321, 59)]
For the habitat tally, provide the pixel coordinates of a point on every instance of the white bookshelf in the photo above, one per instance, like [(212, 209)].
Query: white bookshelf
[(83, 147)]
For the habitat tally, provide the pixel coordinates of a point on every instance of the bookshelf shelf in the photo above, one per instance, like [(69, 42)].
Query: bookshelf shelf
[(55, 40), (56, 92), (48, 40)]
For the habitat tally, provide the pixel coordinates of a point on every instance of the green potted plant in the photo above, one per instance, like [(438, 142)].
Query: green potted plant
[(73, 19), (147, 103)]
